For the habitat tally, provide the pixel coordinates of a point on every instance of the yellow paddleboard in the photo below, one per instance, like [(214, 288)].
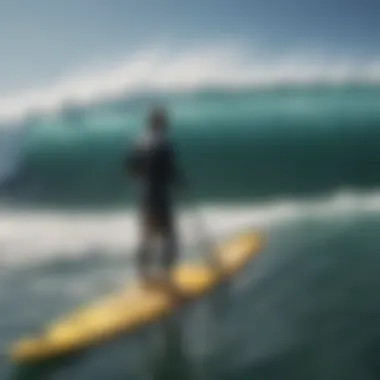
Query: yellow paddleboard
[(133, 307)]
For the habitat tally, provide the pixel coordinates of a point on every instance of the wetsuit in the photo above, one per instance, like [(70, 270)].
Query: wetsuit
[(152, 163)]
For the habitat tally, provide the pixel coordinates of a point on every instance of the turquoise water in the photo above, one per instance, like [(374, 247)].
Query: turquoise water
[(300, 164), (234, 146)]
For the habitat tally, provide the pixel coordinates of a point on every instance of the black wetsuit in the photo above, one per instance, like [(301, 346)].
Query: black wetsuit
[(152, 163)]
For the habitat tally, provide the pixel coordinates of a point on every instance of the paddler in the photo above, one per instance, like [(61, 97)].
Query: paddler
[(152, 163)]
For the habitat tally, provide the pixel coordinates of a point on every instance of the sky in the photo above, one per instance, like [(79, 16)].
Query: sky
[(44, 40)]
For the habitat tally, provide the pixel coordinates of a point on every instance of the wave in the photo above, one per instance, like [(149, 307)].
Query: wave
[(235, 147), (161, 69), (40, 237)]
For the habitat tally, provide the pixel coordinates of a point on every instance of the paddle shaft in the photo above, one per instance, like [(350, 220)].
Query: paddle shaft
[(202, 230)]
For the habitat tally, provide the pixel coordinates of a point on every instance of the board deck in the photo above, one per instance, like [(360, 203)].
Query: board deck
[(133, 307)]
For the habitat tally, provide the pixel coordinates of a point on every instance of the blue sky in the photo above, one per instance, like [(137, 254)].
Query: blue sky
[(41, 40)]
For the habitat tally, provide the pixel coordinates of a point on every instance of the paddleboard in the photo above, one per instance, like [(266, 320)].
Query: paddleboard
[(135, 306)]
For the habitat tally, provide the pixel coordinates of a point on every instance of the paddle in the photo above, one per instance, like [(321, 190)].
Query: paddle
[(220, 300), (204, 234)]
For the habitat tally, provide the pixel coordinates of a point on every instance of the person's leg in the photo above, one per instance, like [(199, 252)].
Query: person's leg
[(170, 241), (145, 249), (170, 250), (170, 255)]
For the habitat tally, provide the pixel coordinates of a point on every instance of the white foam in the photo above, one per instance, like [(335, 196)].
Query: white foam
[(31, 237), (161, 69)]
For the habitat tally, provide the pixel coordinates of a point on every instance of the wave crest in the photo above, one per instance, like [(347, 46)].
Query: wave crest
[(160, 69)]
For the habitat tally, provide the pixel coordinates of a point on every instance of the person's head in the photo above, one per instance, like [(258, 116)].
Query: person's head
[(158, 120)]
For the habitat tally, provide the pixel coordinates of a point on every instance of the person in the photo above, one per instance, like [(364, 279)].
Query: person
[(152, 163)]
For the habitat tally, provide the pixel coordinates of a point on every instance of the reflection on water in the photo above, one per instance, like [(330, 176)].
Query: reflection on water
[(172, 359)]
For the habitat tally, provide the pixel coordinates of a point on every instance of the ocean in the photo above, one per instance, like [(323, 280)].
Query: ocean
[(297, 162)]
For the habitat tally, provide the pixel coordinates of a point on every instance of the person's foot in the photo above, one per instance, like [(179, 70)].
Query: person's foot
[(166, 283), (148, 281), (162, 282), (146, 277)]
